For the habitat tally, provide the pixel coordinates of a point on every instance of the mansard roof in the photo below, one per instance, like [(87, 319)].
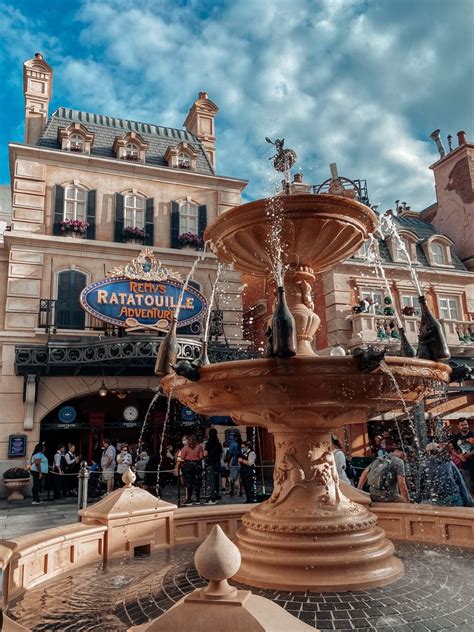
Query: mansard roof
[(107, 128)]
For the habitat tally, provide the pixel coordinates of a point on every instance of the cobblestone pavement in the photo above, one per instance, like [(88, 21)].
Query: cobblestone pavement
[(436, 593)]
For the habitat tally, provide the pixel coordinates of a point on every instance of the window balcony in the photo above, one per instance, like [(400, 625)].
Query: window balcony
[(374, 329)]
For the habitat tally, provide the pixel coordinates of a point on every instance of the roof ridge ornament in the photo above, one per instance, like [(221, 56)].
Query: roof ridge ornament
[(145, 267)]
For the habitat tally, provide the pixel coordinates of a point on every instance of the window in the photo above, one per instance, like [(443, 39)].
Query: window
[(449, 308), (76, 143), (184, 161), (400, 250), (69, 313), (131, 152), (75, 203), (134, 211), (438, 254), (377, 298), (410, 305), (363, 250), (188, 218)]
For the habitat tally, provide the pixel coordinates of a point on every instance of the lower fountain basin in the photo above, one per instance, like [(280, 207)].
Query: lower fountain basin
[(306, 392)]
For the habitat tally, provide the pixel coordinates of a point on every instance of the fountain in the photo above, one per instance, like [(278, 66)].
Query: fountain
[(310, 534)]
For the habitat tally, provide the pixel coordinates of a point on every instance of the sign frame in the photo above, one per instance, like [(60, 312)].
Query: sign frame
[(14, 453)]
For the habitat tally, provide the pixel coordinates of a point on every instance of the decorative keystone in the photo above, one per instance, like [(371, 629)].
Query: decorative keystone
[(128, 477), (217, 559)]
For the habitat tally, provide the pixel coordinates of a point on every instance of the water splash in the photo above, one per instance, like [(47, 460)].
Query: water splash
[(388, 227), (201, 256), (373, 257), (162, 438), (211, 303)]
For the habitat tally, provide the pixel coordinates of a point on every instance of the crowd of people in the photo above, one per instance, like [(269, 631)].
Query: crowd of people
[(206, 470), (442, 475)]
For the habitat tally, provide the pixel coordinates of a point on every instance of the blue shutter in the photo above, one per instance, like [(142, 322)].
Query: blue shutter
[(69, 313), (91, 202), (149, 225), (58, 209), (119, 217), (175, 225), (202, 220)]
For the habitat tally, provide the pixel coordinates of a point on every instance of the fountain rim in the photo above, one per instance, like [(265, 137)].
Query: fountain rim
[(340, 365)]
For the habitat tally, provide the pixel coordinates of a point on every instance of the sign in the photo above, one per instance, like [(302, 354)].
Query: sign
[(188, 415), (16, 446), (67, 414), (142, 295)]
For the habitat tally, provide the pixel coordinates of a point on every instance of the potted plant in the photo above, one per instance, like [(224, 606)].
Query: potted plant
[(388, 309), (15, 479), (133, 234), (132, 157), (184, 165), (76, 148), (408, 310), (190, 241), (74, 228)]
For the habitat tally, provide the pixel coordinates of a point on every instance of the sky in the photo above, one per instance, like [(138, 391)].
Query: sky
[(361, 83)]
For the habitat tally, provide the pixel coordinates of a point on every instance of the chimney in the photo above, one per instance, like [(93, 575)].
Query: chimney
[(200, 123), (462, 138), (37, 89), (437, 139)]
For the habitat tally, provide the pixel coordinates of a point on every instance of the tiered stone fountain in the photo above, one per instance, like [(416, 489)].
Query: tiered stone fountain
[(308, 535)]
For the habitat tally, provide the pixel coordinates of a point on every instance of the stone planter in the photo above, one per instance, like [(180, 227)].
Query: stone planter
[(134, 240), (188, 247), (14, 485), (74, 234)]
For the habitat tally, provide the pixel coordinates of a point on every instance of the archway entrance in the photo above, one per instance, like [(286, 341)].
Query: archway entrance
[(119, 416)]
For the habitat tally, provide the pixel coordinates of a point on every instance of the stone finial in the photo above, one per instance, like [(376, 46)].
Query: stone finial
[(217, 559), (128, 477)]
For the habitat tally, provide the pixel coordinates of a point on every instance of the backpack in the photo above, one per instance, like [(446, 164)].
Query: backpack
[(350, 470), (380, 474)]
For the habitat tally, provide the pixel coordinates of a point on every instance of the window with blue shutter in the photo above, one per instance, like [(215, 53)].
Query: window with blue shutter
[(91, 211), (175, 225), (58, 209), (69, 313), (149, 222), (119, 218), (202, 220)]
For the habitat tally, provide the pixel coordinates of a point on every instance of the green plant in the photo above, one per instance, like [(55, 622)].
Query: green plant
[(15, 473)]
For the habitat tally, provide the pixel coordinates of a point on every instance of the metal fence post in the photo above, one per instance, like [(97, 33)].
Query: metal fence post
[(83, 484)]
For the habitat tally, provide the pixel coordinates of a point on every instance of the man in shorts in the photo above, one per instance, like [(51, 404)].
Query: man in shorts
[(386, 478), (107, 464)]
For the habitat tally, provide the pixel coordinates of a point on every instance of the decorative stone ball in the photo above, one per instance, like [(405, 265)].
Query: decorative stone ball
[(217, 558), (337, 351)]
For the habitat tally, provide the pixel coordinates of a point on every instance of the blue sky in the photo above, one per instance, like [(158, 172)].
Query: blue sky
[(358, 82)]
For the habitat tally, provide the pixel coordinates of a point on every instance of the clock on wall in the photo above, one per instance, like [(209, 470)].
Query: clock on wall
[(130, 413)]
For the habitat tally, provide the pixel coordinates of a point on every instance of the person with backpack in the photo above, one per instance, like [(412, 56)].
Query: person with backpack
[(441, 482), (343, 465), (234, 453), (386, 478)]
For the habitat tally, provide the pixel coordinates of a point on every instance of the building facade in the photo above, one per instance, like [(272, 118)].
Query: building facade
[(89, 192)]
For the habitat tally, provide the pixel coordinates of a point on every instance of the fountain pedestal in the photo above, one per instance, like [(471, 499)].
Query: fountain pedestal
[(308, 535)]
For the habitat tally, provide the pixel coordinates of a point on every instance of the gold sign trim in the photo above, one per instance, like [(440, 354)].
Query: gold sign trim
[(145, 267)]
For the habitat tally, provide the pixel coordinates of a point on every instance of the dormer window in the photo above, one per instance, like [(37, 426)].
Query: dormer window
[(182, 156), (75, 138), (130, 147), (405, 245), (132, 152), (438, 254), (76, 143), (438, 251)]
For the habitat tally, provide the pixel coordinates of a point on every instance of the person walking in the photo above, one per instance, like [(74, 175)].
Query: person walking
[(247, 471), (107, 463), (386, 478), (340, 460), (212, 454), (440, 480), (191, 457), (39, 468), (141, 466), (124, 462)]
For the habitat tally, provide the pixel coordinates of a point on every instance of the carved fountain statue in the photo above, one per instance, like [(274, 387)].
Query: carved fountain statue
[(309, 534)]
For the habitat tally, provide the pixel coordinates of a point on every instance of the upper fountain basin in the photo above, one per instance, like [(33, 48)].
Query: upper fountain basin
[(305, 392), (316, 230)]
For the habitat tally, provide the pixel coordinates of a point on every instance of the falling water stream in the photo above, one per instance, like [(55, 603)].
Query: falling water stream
[(388, 227)]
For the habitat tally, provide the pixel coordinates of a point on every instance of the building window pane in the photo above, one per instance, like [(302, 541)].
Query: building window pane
[(448, 308), (75, 206), (188, 218), (131, 150), (134, 211), (377, 298), (183, 160), (69, 313), (438, 254), (76, 143)]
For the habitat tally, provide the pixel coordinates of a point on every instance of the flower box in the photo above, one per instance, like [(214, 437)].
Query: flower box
[(74, 228), (184, 165), (132, 158), (134, 235), (190, 240), (76, 148)]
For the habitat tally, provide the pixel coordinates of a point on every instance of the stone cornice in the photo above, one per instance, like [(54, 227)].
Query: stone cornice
[(444, 271), (120, 167)]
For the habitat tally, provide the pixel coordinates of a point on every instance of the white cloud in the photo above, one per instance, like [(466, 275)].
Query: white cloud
[(360, 83)]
